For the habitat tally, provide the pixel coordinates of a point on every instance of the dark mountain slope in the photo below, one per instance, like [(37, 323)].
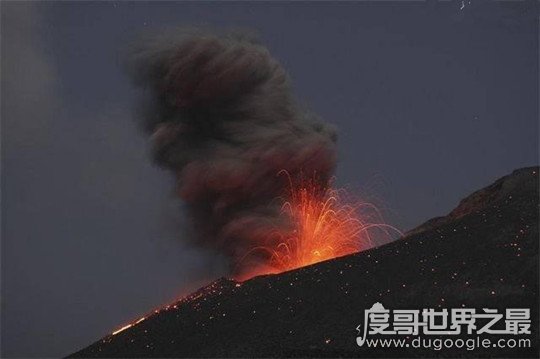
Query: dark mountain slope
[(484, 254)]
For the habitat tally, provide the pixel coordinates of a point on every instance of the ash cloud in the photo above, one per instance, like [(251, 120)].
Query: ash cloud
[(222, 118)]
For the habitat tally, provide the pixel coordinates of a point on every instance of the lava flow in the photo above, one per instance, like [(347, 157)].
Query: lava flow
[(325, 225)]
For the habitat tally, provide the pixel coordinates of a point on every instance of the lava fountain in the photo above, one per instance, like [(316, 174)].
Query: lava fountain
[(325, 223)]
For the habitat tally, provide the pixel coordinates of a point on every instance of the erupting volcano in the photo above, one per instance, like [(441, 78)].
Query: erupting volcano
[(253, 167), (312, 312)]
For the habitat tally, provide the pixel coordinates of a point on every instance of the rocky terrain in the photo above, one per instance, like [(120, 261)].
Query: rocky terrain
[(484, 254)]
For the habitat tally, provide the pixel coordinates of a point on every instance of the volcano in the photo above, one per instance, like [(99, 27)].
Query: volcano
[(483, 254)]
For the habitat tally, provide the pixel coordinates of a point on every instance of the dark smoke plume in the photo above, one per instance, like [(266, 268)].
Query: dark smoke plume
[(222, 118)]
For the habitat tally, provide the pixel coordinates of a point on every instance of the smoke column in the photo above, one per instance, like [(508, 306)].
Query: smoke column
[(222, 118)]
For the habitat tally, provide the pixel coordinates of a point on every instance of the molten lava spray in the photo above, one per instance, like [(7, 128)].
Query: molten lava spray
[(221, 116), (324, 224)]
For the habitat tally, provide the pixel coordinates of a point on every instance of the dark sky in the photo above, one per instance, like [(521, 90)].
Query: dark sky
[(431, 101)]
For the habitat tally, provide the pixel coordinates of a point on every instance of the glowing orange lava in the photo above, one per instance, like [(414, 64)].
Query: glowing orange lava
[(325, 225), (128, 326)]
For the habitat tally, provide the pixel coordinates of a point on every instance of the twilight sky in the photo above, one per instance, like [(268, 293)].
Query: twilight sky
[(432, 101)]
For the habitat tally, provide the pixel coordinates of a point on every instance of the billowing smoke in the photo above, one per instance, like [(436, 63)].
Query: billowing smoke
[(221, 116)]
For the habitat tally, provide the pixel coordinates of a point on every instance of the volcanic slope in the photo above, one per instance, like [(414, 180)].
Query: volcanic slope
[(484, 254)]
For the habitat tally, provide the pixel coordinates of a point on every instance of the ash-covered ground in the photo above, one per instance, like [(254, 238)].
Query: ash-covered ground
[(484, 254)]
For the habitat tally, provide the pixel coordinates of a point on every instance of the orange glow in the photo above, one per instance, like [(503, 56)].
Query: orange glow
[(325, 225), (128, 326)]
